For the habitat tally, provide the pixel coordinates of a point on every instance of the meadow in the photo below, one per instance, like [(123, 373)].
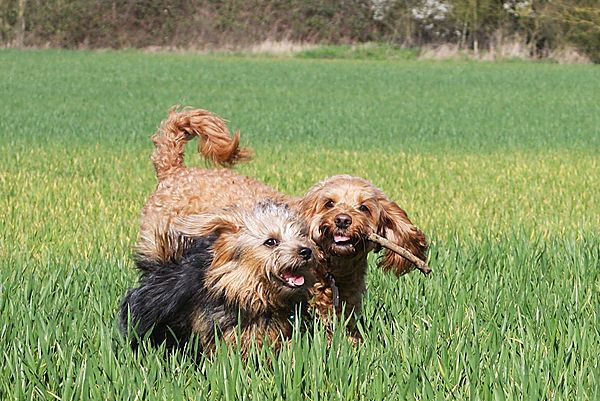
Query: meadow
[(498, 163)]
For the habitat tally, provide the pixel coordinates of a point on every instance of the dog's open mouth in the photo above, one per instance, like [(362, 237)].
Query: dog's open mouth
[(292, 280), (343, 244), (339, 242), (342, 240)]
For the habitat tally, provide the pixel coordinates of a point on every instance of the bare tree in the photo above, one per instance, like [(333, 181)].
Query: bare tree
[(20, 25)]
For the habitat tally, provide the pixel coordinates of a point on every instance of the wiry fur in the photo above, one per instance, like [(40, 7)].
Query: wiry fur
[(215, 142), (364, 209), (215, 273), (185, 191)]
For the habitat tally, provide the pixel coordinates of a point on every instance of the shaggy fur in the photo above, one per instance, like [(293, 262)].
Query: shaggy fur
[(341, 210), (183, 191), (224, 272)]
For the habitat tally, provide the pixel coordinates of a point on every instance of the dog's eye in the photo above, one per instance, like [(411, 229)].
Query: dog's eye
[(329, 204), (271, 243), (363, 208)]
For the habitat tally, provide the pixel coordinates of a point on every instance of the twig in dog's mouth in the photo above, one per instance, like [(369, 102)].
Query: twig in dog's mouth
[(405, 253)]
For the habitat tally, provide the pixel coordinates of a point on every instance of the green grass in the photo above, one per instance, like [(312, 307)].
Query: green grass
[(497, 163)]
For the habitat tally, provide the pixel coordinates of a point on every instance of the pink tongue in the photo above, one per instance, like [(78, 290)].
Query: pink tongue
[(340, 238), (293, 279)]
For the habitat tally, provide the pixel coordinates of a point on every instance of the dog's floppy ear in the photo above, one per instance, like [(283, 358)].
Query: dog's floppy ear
[(204, 225), (395, 225), (309, 207), (173, 240), (308, 204), (221, 226), (169, 245)]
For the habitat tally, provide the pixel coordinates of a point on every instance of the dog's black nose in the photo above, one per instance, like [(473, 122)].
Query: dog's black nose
[(343, 220), (306, 253)]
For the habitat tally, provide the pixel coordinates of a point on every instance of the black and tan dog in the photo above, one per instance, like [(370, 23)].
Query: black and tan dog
[(220, 273)]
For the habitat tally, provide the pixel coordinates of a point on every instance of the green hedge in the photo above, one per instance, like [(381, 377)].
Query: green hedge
[(542, 25)]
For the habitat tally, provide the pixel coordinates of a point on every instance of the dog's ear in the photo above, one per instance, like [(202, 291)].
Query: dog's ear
[(169, 245), (309, 207), (395, 225), (308, 204), (204, 225), (173, 240)]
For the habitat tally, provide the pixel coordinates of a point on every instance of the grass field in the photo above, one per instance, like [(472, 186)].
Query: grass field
[(498, 163)]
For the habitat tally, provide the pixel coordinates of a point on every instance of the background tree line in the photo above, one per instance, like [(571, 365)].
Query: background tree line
[(478, 25)]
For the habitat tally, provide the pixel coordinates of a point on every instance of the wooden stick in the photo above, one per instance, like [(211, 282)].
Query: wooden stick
[(405, 253)]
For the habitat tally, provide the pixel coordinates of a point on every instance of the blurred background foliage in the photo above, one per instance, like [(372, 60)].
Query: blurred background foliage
[(534, 27)]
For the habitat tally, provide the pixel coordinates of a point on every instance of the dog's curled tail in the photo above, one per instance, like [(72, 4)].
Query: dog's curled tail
[(215, 142)]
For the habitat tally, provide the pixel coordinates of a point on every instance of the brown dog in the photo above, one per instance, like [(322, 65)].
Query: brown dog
[(182, 191), (341, 211)]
